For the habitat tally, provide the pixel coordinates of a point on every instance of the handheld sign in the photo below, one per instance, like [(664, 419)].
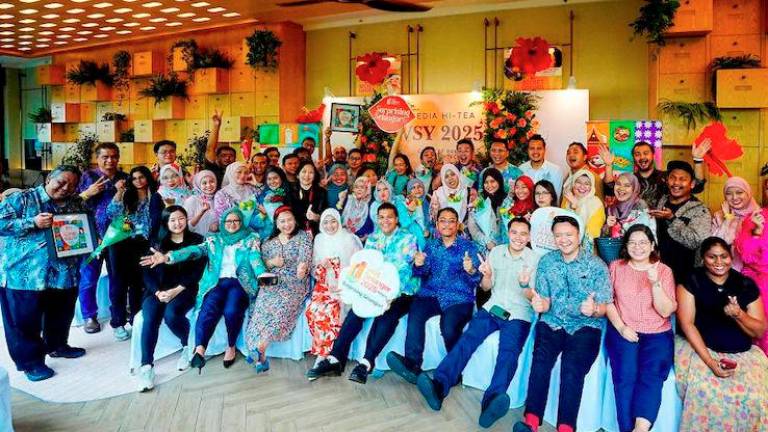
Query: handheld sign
[(369, 283), (542, 239)]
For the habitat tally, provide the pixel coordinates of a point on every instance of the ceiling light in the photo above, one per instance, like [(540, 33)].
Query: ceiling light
[(51, 16), (6, 6), (27, 29), (63, 36), (67, 29), (45, 33), (157, 20), (122, 32), (152, 4), (6, 25), (201, 4), (147, 28), (102, 5), (42, 45), (71, 20), (231, 15), (123, 10), (54, 5), (25, 43), (216, 10), (80, 39), (186, 15), (129, 1), (84, 32), (173, 24), (43, 39), (60, 43), (109, 28), (48, 25), (25, 36), (80, 1), (6, 46), (169, 10), (28, 11), (114, 20), (90, 25), (25, 49), (6, 33), (201, 19), (100, 35), (141, 15), (6, 16), (96, 16), (75, 11), (30, 1), (6, 40), (131, 24)]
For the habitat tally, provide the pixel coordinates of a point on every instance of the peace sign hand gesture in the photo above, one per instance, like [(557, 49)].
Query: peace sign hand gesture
[(485, 267), (524, 277)]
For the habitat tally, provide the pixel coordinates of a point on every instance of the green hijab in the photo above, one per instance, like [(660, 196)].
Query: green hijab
[(227, 237)]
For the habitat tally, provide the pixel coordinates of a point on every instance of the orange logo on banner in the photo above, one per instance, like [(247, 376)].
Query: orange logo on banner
[(391, 113)]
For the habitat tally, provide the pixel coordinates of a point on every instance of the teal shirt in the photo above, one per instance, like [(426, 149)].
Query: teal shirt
[(247, 258), (398, 248), (24, 260)]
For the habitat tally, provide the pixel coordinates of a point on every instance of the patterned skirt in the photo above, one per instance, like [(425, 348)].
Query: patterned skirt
[(737, 404)]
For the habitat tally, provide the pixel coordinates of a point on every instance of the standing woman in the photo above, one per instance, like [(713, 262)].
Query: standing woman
[(581, 198), (400, 173), (274, 197), (483, 222), (721, 377), (234, 263), (235, 188), (202, 218), (752, 245), (739, 205), (627, 209), (355, 216), (640, 341), (333, 248), (453, 193), (170, 293), (309, 199), (287, 253), (142, 207)]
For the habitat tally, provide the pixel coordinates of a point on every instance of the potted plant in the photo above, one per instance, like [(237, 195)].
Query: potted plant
[(263, 48), (46, 131), (747, 61), (211, 71), (182, 57), (169, 93), (80, 153), (121, 62), (95, 80), (127, 136), (656, 17), (193, 157), (110, 126)]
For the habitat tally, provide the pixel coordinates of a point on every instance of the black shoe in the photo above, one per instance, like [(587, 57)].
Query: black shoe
[(228, 363), (359, 374), (198, 361), (39, 373), (325, 368), (521, 427), (67, 352), (430, 390), (401, 366), (497, 407), (92, 326)]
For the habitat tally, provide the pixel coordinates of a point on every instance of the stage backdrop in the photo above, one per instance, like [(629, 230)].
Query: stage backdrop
[(443, 119)]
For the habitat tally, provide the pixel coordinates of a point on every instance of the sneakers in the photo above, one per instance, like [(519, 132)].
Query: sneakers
[(496, 409), (121, 334), (146, 378), (184, 359), (67, 352), (401, 366), (324, 368), (429, 389), (92, 326), (39, 373), (359, 374)]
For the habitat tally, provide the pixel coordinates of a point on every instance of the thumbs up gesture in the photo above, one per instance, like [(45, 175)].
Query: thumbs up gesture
[(484, 268), (469, 267), (588, 306), (538, 303), (524, 277), (419, 258)]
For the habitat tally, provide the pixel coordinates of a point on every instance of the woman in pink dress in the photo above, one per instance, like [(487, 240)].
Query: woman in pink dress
[(739, 204), (752, 245)]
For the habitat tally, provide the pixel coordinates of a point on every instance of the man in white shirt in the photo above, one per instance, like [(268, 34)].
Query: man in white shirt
[(538, 167)]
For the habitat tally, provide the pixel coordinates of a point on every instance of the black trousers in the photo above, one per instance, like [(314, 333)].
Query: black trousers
[(126, 289), (36, 323)]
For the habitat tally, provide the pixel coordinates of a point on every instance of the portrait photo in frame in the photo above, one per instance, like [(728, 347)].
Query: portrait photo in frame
[(71, 235), (345, 117)]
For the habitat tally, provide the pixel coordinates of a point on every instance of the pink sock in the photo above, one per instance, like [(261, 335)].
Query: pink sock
[(532, 420), (564, 428)]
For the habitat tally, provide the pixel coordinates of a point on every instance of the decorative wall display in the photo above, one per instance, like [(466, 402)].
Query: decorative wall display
[(71, 234), (597, 135), (345, 117), (510, 117), (723, 149), (263, 48), (527, 57), (621, 138), (378, 72), (391, 113)]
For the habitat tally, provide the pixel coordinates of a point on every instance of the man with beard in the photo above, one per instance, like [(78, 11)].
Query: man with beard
[(653, 181), (499, 155), (538, 167), (259, 163)]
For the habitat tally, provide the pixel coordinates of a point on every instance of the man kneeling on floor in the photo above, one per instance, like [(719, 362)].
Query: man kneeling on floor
[(507, 273)]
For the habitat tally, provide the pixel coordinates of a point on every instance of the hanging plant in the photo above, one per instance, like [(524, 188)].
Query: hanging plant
[(113, 116), (747, 61), (211, 58), (509, 117), (188, 49), (690, 113), (41, 115), (79, 154), (194, 154), (121, 62), (263, 48), (376, 144), (88, 72), (656, 17), (161, 87), (127, 136)]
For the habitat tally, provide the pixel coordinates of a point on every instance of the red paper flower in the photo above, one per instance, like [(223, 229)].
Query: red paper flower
[(372, 68), (314, 116), (369, 158), (493, 107), (723, 148), (531, 55)]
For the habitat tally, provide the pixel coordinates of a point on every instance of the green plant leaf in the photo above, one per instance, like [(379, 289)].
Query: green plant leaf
[(263, 48), (88, 72), (690, 113)]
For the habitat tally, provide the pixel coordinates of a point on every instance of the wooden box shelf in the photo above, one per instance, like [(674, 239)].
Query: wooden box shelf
[(688, 55), (693, 18), (211, 80), (742, 88), (232, 128), (110, 131), (147, 63), (50, 75), (50, 132), (63, 112), (98, 92), (169, 109), (148, 131), (133, 153)]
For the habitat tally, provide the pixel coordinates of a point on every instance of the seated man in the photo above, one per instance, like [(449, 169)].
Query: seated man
[(449, 279), (573, 294), (506, 273)]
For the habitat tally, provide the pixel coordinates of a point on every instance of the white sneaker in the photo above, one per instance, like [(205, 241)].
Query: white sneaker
[(184, 359), (146, 378), (121, 334)]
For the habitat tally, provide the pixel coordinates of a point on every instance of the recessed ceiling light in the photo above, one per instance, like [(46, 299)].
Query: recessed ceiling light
[(129, 1), (6, 25), (25, 43), (71, 20), (25, 49), (96, 16), (141, 15), (27, 29), (63, 36), (123, 10), (75, 11), (108, 28), (200, 4), (201, 19), (67, 29), (51, 16), (114, 20), (27, 21), (54, 5), (25, 36), (28, 11), (186, 15), (6, 33), (6, 40), (102, 5), (60, 43), (231, 15), (169, 10), (147, 28), (131, 24), (90, 25), (48, 25), (80, 1), (122, 32), (158, 19), (30, 1), (80, 39), (43, 40), (84, 32), (6, 16), (6, 6), (152, 4), (45, 33), (173, 24), (100, 35), (42, 45), (7, 46), (216, 10)]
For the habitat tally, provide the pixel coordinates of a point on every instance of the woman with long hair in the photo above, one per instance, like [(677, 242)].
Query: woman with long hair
[(483, 222), (545, 194), (400, 173), (309, 198)]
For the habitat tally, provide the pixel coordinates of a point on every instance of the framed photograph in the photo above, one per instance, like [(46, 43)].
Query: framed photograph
[(345, 117), (71, 234)]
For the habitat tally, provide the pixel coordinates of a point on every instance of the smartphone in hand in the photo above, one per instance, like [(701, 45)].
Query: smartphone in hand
[(727, 364)]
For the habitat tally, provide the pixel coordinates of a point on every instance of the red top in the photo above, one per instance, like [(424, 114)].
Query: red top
[(633, 296)]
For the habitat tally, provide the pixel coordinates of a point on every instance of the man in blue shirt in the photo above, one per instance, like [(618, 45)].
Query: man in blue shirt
[(571, 295), (97, 188), (37, 292), (449, 277), (499, 155)]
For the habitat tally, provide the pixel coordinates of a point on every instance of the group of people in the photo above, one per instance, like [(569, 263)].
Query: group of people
[(260, 242)]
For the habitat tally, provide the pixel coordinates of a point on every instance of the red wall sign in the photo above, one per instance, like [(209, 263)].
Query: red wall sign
[(391, 113)]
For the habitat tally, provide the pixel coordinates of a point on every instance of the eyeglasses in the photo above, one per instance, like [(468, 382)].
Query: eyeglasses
[(641, 243), (232, 222)]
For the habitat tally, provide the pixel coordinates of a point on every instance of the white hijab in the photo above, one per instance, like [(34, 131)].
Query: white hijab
[(459, 193), (238, 192), (341, 244)]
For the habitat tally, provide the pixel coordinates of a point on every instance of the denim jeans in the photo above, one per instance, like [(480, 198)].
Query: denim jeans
[(174, 313), (227, 299), (127, 289)]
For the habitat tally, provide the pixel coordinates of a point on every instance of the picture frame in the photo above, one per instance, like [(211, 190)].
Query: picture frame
[(71, 235), (345, 117)]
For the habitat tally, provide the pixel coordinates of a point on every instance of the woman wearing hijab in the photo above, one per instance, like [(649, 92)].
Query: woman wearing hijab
[(287, 254), (627, 209), (337, 187), (235, 190), (453, 193), (334, 247), (173, 189), (581, 199), (274, 197), (483, 221), (229, 279), (199, 207), (518, 203), (355, 216), (738, 206), (417, 203)]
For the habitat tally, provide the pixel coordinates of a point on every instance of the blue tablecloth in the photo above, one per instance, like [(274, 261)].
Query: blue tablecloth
[(5, 402)]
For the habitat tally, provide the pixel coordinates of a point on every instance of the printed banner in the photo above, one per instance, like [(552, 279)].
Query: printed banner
[(369, 284)]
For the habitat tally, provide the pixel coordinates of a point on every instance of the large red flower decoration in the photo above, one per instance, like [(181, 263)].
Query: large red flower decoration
[(723, 148), (531, 55), (372, 68), (314, 116)]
